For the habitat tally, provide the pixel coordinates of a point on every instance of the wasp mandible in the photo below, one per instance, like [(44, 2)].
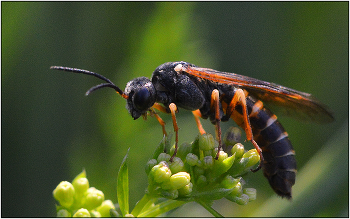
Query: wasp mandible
[(220, 96)]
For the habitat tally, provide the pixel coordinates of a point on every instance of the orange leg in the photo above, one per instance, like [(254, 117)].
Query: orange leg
[(160, 120), (240, 98), (215, 105), (160, 108), (173, 109), (197, 114)]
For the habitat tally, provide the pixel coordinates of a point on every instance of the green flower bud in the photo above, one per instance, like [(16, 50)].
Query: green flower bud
[(161, 147), (82, 212), (105, 208), (252, 156), (199, 164), (93, 198), (95, 213), (208, 162), (177, 165), (222, 156), (172, 150), (222, 166), (242, 200), (80, 175), (81, 185), (237, 190), (248, 159), (64, 194), (229, 182), (63, 213), (198, 170), (170, 194), (113, 213), (238, 149), (195, 145), (206, 142), (251, 193), (163, 157), (232, 136), (183, 150), (211, 153), (180, 179), (161, 172), (166, 185), (186, 190), (150, 164), (202, 180), (191, 159), (214, 152), (227, 163)]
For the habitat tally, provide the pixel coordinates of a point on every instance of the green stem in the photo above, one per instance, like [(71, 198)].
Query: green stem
[(161, 208), (209, 208), (145, 201)]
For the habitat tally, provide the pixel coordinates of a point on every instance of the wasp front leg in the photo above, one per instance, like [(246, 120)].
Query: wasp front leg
[(160, 120), (173, 110)]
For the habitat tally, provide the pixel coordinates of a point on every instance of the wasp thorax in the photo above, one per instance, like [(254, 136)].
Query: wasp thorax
[(141, 96)]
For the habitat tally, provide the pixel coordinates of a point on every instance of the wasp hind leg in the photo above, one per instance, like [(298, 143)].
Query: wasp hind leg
[(240, 98)]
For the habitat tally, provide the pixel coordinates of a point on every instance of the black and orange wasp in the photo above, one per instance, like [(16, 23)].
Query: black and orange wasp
[(220, 96)]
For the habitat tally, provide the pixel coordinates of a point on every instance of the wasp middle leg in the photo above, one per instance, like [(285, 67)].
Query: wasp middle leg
[(197, 114), (215, 107), (173, 109)]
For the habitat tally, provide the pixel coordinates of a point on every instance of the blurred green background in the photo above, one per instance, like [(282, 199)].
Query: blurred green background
[(51, 131)]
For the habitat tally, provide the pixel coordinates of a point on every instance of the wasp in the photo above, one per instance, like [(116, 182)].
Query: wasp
[(220, 96)]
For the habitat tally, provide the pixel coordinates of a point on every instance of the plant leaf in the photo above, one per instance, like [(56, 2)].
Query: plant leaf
[(160, 148), (123, 186), (161, 208)]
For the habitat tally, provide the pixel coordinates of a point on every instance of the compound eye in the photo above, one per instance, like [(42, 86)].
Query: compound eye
[(141, 99)]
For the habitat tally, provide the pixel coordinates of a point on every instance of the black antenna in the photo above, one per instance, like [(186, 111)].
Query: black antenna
[(100, 86), (82, 71)]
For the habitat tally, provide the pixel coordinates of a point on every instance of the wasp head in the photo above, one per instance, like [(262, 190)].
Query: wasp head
[(141, 96), (139, 93)]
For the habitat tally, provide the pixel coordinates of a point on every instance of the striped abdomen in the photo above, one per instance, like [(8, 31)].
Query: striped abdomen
[(279, 162)]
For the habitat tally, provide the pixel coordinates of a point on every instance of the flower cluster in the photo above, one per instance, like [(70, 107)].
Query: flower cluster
[(198, 173), (77, 199), (195, 174)]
